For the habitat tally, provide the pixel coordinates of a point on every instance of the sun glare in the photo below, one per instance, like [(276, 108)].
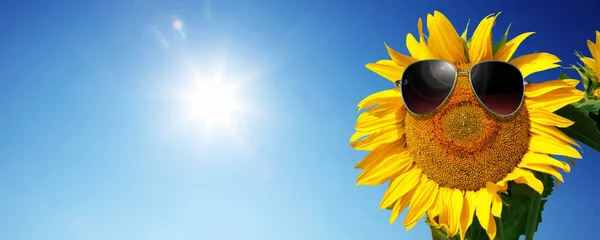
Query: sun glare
[(212, 102)]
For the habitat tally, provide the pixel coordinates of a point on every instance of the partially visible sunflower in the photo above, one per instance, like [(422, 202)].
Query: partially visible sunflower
[(454, 165), (594, 62)]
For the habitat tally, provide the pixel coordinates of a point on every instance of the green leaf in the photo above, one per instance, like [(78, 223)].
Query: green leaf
[(590, 105), (514, 216), (584, 129), (476, 232), (519, 199), (548, 182), (502, 41), (596, 118)]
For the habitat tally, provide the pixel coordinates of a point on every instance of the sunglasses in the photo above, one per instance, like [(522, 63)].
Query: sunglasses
[(426, 85)]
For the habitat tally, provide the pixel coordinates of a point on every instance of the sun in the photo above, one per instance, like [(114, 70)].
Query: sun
[(212, 101), (454, 165)]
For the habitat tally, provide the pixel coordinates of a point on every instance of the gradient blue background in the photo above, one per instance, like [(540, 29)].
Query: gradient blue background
[(88, 151)]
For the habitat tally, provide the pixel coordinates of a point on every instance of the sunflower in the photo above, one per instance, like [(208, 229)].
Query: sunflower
[(594, 62), (455, 165)]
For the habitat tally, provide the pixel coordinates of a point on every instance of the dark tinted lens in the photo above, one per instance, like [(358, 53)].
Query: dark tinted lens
[(426, 85), (498, 85)]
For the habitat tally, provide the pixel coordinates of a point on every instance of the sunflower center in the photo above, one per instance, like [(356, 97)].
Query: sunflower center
[(461, 145), (463, 126)]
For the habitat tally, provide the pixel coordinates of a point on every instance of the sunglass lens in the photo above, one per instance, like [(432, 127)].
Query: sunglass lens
[(426, 84), (499, 86)]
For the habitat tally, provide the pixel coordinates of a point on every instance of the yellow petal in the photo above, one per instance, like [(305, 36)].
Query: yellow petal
[(359, 135), (541, 144), (400, 59), (386, 135), (491, 228), (400, 205), (536, 62), (386, 108), (481, 41), (400, 186), (413, 46), (530, 159), (396, 209), (496, 206), (468, 210), (551, 132), (492, 189), (381, 151), (444, 40), (484, 202), (594, 50), (534, 159), (392, 95), (432, 217), (366, 122), (544, 169), (421, 201), (417, 49), (508, 50), (554, 100), (572, 162), (590, 63), (444, 206), (547, 118), (387, 69), (436, 209), (598, 40), (521, 176), (455, 209), (389, 168), (538, 89), (424, 51)]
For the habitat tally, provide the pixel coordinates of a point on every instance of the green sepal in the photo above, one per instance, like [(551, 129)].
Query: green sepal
[(466, 48), (590, 84), (563, 76), (502, 41), (466, 43), (439, 233), (464, 34), (584, 130)]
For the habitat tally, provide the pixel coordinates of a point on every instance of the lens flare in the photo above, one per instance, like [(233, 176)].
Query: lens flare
[(177, 25)]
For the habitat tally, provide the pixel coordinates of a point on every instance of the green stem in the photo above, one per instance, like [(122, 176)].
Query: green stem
[(532, 219)]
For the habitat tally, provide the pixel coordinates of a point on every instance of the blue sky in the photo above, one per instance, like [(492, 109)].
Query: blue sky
[(93, 145)]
